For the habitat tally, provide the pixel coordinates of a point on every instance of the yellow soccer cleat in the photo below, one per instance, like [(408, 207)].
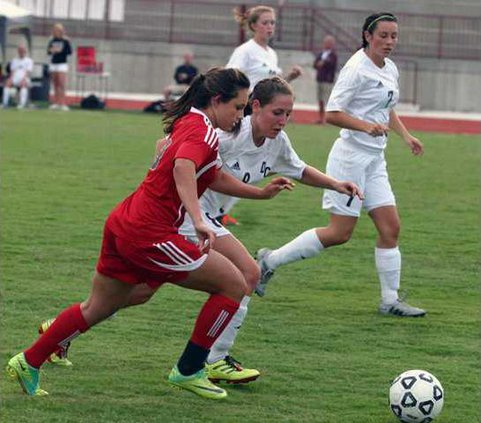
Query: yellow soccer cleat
[(198, 383), (229, 370), (59, 357), (27, 376)]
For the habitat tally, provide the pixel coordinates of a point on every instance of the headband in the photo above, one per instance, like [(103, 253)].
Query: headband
[(390, 17)]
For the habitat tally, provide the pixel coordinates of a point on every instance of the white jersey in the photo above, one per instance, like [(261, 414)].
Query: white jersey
[(248, 163), (255, 61), (367, 92), (19, 67)]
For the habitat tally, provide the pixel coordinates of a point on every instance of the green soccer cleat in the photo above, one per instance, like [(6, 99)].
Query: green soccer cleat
[(229, 370), (59, 357), (198, 383), (27, 376)]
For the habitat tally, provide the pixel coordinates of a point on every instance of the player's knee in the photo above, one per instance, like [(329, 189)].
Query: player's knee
[(390, 238), (236, 289), (252, 276)]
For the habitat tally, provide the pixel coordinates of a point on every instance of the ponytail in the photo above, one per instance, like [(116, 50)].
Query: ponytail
[(251, 16), (177, 109), (221, 82)]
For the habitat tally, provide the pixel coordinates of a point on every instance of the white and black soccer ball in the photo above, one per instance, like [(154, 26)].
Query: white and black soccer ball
[(416, 396)]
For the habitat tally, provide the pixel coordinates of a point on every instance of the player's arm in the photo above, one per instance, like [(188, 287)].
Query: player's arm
[(186, 184), (294, 73), (314, 177), (398, 127), (227, 184), (344, 120)]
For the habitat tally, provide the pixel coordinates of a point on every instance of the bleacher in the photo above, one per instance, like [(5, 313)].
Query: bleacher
[(299, 28)]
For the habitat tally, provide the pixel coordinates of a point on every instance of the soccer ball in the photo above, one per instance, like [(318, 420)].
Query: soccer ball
[(416, 396)]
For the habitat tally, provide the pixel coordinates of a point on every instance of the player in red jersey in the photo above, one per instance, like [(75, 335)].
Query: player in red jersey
[(141, 243)]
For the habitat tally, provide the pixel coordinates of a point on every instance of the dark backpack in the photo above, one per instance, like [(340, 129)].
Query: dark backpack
[(155, 107), (92, 102)]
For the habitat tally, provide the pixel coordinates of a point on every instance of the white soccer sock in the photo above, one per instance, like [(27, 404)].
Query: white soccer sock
[(220, 348), (306, 245), (388, 265), (23, 96), (6, 96)]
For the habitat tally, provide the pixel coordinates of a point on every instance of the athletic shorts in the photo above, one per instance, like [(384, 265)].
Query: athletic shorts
[(187, 228), (366, 169), (324, 91), (17, 79), (169, 259), (58, 67)]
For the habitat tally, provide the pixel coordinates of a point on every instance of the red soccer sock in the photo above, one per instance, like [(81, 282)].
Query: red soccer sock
[(69, 324), (214, 316)]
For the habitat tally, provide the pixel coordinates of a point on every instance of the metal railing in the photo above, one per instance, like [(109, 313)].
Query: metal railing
[(298, 27)]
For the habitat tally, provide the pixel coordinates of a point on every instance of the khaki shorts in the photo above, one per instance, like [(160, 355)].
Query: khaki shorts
[(324, 91)]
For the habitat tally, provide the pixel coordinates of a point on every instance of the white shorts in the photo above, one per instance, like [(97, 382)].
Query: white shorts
[(187, 228), (58, 67), (366, 169), (17, 79)]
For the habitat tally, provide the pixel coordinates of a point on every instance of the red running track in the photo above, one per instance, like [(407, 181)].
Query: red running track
[(421, 123)]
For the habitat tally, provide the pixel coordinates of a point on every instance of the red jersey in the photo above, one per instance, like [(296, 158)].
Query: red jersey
[(155, 207)]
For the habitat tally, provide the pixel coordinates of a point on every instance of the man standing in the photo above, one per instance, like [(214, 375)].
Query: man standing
[(325, 64), (20, 70)]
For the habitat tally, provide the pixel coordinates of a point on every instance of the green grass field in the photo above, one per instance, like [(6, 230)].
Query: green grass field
[(324, 352)]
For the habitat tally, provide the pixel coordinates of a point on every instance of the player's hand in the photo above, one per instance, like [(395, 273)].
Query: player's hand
[(275, 186), (349, 188), (415, 145), (294, 73), (376, 129), (205, 235)]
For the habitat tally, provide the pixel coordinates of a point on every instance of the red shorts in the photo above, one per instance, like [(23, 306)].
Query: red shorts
[(170, 259)]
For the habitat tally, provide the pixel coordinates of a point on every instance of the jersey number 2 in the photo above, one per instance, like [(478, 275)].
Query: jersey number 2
[(390, 95)]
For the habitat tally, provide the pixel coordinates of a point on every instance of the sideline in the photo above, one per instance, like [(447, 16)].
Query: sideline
[(428, 121)]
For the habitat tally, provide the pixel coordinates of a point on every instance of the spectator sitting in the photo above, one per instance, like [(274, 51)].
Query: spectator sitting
[(20, 70), (184, 74)]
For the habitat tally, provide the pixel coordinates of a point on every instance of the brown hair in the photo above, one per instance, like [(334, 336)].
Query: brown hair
[(252, 15), (218, 81), (268, 88), (60, 27), (370, 24)]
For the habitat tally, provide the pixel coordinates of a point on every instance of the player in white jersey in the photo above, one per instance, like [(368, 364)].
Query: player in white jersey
[(260, 147), (362, 104), (20, 68), (257, 149), (255, 57)]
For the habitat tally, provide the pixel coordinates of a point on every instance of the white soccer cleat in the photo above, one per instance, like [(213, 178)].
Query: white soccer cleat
[(266, 271), (401, 309)]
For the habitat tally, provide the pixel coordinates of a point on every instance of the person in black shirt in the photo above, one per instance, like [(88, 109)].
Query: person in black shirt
[(184, 74), (59, 48)]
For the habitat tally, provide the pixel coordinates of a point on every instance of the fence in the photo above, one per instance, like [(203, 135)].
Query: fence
[(298, 27)]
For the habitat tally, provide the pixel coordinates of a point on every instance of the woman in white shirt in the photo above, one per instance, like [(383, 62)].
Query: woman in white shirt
[(362, 104), (255, 57), (256, 149)]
